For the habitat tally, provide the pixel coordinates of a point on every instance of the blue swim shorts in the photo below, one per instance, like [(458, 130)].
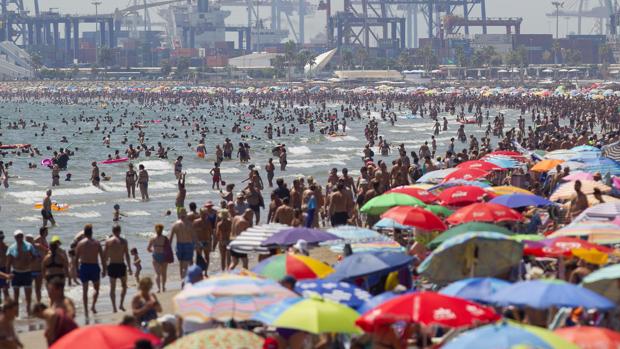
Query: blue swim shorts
[(185, 251), (159, 257), (90, 272)]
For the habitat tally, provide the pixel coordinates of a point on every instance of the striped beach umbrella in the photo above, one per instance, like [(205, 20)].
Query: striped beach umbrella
[(596, 231), (612, 151), (221, 338), (567, 190), (251, 239), (228, 296)]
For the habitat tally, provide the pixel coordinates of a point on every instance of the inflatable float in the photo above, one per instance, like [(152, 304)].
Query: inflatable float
[(55, 206), (468, 120), (337, 134), (46, 162), (114, 161), (14, 146)]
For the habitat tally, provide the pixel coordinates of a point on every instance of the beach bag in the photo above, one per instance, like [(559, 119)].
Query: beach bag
[(168, 255)]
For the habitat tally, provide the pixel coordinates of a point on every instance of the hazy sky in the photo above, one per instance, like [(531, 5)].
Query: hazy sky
[(532, 11)]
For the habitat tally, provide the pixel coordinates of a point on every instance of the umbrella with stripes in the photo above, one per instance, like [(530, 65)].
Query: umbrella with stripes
[(612, 151), (251, 239)]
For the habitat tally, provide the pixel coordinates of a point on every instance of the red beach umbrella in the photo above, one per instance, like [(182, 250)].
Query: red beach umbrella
[(415, 217), (462, 195), (421, 194), (427, 308), (587, 337), (484, 212), (562, 246), (468, 174), (480, 165), (104, 337)]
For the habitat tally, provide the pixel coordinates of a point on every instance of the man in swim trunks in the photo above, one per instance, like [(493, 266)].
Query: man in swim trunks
[(94, 174), (340, 205), (46, 211), (19, 259), (204, 228), (240, 223), (186, 238), (115, 249), (88, 252)]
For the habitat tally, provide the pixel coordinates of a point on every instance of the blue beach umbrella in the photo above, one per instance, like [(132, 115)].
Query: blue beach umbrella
[(387, 223), (521, 200), (605, 281), (475, 289), (503, 161), (506, 335), (337, 291), (544, 294), (602, 165), (290, 236), (363, 264)]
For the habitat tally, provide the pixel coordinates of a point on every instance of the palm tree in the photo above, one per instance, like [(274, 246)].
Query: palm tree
[(556, 52), (279, 63), (36, 61), (361, 54), (404, 60), (603, 52), (289, 54)]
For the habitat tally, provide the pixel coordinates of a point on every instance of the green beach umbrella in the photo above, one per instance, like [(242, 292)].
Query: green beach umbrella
[(382, 203), (527, 237), (313, 315), (605, 281), (468, 228), (439, 210)]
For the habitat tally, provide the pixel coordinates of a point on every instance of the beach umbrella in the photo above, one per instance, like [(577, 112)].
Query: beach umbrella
[(467, 228), (337, 291), (219, 338), (369, 263), (313, 315), (560, 154), (585, 148), (596, 231), (592, 256), (290, 236), (605, 281), (572, 165), (468, 174), (251, 239), (578, 176), (601, 165), (526, 237), (547, 293), (560, 246), (421, 194), (415, 217), (566, 191), (382, 203), (435, 176), (502, 161), (605, 212), (388, 223), (480, 165), (508, 189), (462, 195), (484, 212), (298, 266), (587, 337), (508, 334), (475, 289), (612, 151), (521, 200), (471, 254), (509, 153), (427, 308), (546, 165), (438, 210), (103, 336), (228, 296), (361, 240)]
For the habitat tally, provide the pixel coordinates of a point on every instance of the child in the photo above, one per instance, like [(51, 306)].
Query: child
[(137, 263), (117, 213), (104, 177), (217, 176), (72, 267)]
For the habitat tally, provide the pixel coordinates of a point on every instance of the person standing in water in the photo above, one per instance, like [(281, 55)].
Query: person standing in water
[(88, 253), (216, 175), (130, 181), (95, 178), (178, 167), (156, 247), (46, 210), (270, 168), (143, 182), (115, 250), (55, 175)]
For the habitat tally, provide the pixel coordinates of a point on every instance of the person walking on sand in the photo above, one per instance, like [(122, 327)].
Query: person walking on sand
[(88, 253), (95, 178), (240, 223), (131, 177), (143, 182), (156, 247), (8, 336), (184, 233), (115, 250), (204, 228), (222, 236), (46, 210)]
